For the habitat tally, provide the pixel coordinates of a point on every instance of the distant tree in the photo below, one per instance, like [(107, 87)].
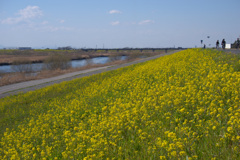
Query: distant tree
[(234, 45)]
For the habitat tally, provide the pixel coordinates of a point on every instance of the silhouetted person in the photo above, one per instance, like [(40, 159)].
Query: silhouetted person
[(217, 44), (204, 46), (223, 44), (238, 43)]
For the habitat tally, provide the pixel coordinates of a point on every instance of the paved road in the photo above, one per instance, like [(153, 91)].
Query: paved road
[(37, 84)]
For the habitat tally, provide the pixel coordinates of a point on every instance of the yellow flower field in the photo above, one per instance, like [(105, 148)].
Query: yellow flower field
[(181, 106)]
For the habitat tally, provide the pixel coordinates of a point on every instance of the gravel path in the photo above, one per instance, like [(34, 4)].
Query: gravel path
[(24, 87)]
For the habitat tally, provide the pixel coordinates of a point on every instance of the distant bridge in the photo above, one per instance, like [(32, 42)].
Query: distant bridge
[(131, 49)]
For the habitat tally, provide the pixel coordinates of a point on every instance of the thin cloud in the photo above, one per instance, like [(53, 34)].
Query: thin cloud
[(25, 15), (53, 29), (146, 22), (30, 12), (62, 21), (115, 23), (115, 12), (44, 22)]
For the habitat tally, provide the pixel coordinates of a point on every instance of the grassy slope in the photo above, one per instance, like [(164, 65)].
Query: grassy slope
[(166, 107)]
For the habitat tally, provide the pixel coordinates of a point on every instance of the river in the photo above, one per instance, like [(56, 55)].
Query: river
[(36, 67)]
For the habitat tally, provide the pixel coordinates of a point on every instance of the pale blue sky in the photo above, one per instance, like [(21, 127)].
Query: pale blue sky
[(117, 23)]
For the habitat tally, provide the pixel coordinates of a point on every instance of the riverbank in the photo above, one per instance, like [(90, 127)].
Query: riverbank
[(37, 55), (8, 57), (11, 78), (40, 83)]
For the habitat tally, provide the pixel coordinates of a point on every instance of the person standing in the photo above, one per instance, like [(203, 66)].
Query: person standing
[(223, 44), (217, 44)]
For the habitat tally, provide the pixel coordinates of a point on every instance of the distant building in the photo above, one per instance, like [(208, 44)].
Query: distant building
[(228, 46), (24, 48), (65, 48)]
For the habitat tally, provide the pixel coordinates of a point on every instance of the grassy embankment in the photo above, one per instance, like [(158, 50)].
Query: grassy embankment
[(181, 106)]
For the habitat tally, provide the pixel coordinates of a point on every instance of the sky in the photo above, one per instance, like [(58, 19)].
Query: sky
[(118, 23)]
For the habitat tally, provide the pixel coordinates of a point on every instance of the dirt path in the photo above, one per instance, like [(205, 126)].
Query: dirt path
[(24, 87)]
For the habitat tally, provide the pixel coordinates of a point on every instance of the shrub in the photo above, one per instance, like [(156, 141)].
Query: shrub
[(57, 61), (22, 65)]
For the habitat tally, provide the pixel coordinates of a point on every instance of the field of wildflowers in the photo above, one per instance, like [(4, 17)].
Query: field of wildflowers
[(181, 106)]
